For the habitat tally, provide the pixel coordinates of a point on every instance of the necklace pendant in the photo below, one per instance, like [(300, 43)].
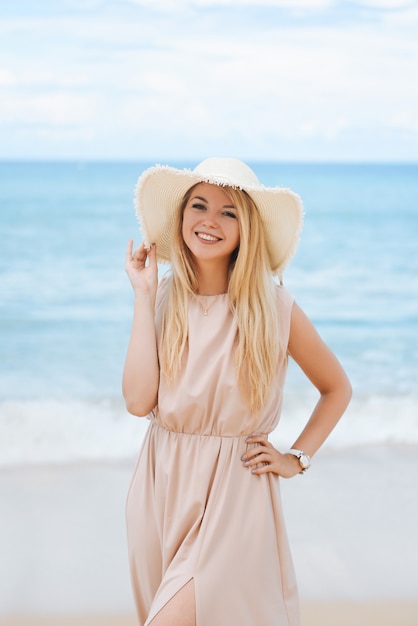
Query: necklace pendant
[(207, 306)]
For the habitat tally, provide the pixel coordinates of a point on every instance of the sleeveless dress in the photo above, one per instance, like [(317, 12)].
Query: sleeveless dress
[(193, 510)]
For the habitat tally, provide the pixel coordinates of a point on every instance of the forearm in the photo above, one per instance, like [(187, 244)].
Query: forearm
[(141, 371), (326, 414)]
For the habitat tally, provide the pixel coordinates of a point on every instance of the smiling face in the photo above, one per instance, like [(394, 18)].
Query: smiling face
[(210, 224)]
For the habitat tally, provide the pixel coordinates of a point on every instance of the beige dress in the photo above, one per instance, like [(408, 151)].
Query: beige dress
[(193, 510)]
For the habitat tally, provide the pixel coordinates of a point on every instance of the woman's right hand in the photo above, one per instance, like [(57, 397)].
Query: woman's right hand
[(143, 276)]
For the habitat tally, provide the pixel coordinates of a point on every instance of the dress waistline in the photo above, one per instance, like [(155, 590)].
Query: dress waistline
[(208, 435)]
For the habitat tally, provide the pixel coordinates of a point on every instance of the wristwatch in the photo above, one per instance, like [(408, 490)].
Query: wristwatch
[(304, 459)]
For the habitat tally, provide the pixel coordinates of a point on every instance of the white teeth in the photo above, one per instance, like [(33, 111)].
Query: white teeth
[(207, 237)]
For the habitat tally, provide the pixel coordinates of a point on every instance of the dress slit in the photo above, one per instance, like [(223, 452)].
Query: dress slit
[(161, 605)]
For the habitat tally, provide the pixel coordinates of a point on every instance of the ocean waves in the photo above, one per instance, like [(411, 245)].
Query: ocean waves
[(66, 431)]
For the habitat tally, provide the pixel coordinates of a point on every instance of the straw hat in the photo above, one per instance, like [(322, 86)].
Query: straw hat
[(160, 190)]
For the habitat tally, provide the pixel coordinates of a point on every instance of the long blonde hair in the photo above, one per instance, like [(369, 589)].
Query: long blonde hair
[(252, 298)]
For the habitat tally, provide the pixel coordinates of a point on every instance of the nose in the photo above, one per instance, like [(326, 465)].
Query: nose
[(210, 219)]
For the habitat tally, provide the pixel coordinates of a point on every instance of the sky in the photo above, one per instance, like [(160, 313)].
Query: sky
[(295, 80)]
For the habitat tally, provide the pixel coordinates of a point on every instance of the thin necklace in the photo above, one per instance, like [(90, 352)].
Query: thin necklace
[(206, 309)]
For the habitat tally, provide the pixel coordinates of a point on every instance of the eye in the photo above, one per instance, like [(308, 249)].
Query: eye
[(197, 205), (230, 214)]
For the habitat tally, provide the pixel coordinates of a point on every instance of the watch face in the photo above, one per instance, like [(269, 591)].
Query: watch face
[(304, 461)]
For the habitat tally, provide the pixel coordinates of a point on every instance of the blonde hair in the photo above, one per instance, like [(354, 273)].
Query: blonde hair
[(252, 298)]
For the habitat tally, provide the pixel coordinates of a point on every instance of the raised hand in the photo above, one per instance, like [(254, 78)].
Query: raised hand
[(141, 267)]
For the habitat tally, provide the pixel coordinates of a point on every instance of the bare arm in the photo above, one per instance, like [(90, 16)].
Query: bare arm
[(326, 373), (141, 371)]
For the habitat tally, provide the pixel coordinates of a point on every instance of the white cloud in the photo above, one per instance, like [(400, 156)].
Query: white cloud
[(158, 79), (7, 78), (407, 19), (176, 5), (56, 109), (39, 78), (388, 4), (404, 119), (275, 92)]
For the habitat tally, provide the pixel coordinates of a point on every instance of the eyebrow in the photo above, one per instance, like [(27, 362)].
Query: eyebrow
[(225, 206)]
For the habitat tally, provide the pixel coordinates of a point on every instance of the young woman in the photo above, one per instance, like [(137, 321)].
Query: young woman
[(206, 363)]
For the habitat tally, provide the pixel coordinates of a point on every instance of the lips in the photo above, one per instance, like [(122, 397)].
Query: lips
[(207, 237)]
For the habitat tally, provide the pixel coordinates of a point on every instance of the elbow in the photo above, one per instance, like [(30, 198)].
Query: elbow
[(140, 400), (348, 390), (345, 392), (140, 407), (340, 389)]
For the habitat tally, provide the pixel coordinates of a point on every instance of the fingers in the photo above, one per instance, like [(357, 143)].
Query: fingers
[(260, 458), (254, 456), (134, 256), (152, 256), (253, 453), (264, 469), (262, 439), (264, 458), (263, 446), (129, 250), (140, 255), (257, 454)]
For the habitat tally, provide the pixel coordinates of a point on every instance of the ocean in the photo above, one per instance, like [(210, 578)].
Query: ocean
[(66, 303)]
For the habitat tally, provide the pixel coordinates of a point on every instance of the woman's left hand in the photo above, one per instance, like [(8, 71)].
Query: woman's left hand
[(286, 465)]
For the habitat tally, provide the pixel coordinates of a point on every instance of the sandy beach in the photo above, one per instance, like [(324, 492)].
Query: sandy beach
[(383, 613), (351, 523)]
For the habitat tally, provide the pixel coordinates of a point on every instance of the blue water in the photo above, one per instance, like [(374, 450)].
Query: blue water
[(66, 303)]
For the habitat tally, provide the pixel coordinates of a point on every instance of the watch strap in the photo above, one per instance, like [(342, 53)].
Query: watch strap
[(298, 454)]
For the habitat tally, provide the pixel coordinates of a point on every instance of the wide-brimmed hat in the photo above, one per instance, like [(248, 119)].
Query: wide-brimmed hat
[(161, 188)]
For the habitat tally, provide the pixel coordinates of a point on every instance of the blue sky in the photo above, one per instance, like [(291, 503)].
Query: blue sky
[(183, 79)]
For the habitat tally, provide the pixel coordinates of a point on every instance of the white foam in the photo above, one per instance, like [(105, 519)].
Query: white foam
[(369, 420), (53, 431), (68, 431)]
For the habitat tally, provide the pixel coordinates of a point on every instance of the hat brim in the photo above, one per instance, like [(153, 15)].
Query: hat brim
[(161, 188)]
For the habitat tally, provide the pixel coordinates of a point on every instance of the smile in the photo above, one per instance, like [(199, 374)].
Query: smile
[(207, 237)]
